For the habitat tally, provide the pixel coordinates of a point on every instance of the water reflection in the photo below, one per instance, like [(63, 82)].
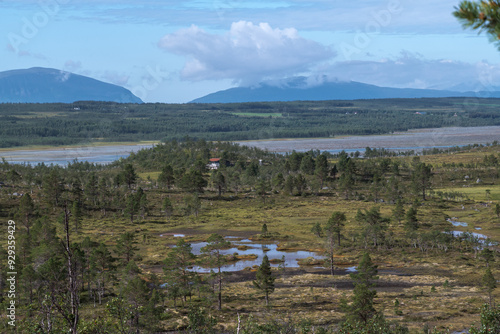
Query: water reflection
[(457, 223), (255, 248)]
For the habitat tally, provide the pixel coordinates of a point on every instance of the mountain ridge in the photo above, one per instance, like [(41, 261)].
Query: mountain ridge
[(48, 85), (297, 90)]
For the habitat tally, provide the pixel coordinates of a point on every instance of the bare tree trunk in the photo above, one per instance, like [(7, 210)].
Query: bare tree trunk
[(220, 290), (72, 275)]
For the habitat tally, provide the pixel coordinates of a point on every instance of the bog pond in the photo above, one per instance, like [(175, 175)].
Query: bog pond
[(252, 253)]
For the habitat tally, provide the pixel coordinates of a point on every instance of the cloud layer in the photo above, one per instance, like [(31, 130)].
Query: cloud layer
[(247, 53), (414, 71)]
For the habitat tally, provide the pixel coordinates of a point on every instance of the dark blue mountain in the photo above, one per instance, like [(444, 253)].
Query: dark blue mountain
[(46, 85), (297, 90)]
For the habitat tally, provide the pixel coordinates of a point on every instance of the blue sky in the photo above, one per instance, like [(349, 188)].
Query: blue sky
[(176, 51)]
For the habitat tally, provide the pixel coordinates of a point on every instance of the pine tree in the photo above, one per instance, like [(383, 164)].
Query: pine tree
[(219, 181), (104, 195), (375, 224), (333, 233), (411, 223), (399, 211), (91, 189), (132, 206), (321, 170), (264, 230), (76, 215), (421, 177), (52, 188), (126, 246), (166, 176), (489, 282), (129, 175), (317, 230), (192, 204), (167, 207), (307, 165), (26, 211), (102, 267), (289, 184), (361, 307), (176, 270), (335, 224), (278, 181), (261, 188), (215, 259), (482, 15), (142, 203), (264, 280), (300, 183), (488, 256)]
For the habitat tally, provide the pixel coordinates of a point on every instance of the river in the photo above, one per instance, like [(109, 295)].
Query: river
[(104, 154), (409, 140)]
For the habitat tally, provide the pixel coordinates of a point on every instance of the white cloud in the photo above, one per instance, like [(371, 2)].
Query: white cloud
[(410, 70), (63, 76), (247, 53), (72, 66), (116, 78)]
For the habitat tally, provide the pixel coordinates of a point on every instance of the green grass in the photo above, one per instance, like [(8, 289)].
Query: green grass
[(477, 193), (293, 216), (255, 114)]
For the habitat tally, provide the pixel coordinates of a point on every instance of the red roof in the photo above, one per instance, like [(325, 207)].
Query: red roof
[(215, 160)]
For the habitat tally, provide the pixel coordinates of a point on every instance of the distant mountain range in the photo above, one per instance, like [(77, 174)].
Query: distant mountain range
[(46, 85), (297, 89)]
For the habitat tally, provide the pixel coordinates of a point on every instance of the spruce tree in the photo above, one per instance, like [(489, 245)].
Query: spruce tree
[(264, 280)]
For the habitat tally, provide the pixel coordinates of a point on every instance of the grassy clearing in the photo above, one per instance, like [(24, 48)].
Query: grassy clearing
[(255, 114), (477, 193)]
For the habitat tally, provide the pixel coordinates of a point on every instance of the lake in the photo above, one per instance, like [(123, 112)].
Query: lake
[(409, 140)]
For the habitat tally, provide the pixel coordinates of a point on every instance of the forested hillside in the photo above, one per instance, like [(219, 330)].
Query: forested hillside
[(111, 249), (84, 122)]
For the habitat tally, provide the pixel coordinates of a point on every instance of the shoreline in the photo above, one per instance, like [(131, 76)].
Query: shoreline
[(414, 139)]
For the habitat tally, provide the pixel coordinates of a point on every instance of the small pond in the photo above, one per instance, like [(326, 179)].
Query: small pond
[(457, 223), (258, 248), (483, 239)]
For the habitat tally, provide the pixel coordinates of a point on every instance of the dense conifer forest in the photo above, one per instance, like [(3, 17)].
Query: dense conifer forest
[(85, 122)]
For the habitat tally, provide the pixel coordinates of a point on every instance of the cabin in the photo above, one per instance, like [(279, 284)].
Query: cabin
[(214, 163)]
